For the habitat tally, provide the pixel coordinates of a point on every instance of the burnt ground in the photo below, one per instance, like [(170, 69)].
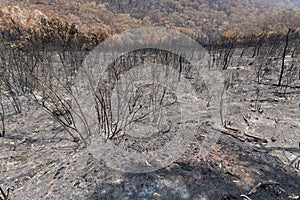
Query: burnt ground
[(256, 157), (39, 165)]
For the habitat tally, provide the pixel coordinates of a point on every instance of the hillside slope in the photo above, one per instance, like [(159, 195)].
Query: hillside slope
[(202, 17)]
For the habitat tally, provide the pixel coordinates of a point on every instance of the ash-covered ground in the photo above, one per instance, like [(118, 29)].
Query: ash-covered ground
[(256, 157)]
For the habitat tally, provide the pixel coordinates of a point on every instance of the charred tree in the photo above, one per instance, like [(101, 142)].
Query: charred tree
[(283, 57)]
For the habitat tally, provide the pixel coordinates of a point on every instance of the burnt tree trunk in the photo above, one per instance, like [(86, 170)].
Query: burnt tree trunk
[(2, 133), (283, 57)]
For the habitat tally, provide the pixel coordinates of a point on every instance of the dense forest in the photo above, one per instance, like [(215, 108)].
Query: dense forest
[(205, 20)]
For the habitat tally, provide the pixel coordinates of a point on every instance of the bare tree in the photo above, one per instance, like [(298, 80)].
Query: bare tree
[(284, 55)]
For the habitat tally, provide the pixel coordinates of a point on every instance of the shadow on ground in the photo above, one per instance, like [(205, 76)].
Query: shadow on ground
[(231, 170)]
